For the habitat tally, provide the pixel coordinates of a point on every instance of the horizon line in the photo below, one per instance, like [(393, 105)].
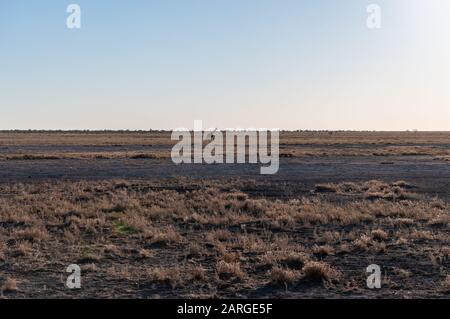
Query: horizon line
[(228, 129)]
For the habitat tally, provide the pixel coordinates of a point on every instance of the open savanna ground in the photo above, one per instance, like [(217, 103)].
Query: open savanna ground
[(36, 145), (140, 226)]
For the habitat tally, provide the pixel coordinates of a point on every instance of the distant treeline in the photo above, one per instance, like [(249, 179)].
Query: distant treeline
[(167, 131)]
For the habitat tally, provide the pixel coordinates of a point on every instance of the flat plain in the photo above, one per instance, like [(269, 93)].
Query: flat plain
[(140, 226)]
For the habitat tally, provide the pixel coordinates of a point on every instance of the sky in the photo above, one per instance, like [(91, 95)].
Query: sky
[(288, 64)]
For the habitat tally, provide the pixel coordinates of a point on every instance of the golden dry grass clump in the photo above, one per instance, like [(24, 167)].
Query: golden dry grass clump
[(229, 269), (320, 271), (281, 276), (446, 284), (10, 285)]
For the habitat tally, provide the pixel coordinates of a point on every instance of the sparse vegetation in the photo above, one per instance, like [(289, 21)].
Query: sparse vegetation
[(237, 238), (280, 276), (446, 284), (10, 285), (227, 270), (318, 271), (220, 236)]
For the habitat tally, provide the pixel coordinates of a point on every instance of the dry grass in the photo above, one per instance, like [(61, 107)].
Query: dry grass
[(177, 241), (199, 274), (379, 234), (16, 138), (32, 234), (52, 156), (161, 138), (281, 276), (286, 152), (166, 276), (227, 270), (23, 248), (292, 144), (370, 190), (221, 237), (318, 271), (323, 250), (446, 284), (145, 253), (2, 252), (294, 260), (10, 285)]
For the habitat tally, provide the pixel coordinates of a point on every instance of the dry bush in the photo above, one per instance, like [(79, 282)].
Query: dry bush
[(195, 250), (421, 235), (344, 248), (323, 250), (446, 284), (229, 270), (285, 258), (318, 271), (199, 273), (294, 260), (402, 273), (131, 224), (236, 195), (163, 235), (145, 253), (394, 193), (92, 268), (403, 184), (165, 275), (111, 249), (330, 237), (379, 234), (2, 252), (325, 188), (363, 242), (23, 248), (230, 257), (401, 241), (69, 236), (121, 272), (402, 222), (269, 259), (34, 234), (440, 221), (379, 247), (255, 207), (250, 243), (10, 285), (218, 235), (282, 276), (443, 158), (90, 257), (445, 251)]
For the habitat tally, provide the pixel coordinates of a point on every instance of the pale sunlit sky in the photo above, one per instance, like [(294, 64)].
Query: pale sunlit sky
[(291, 64)]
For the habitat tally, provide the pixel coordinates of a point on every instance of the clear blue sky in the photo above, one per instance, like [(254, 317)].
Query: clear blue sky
[(231, 63)]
